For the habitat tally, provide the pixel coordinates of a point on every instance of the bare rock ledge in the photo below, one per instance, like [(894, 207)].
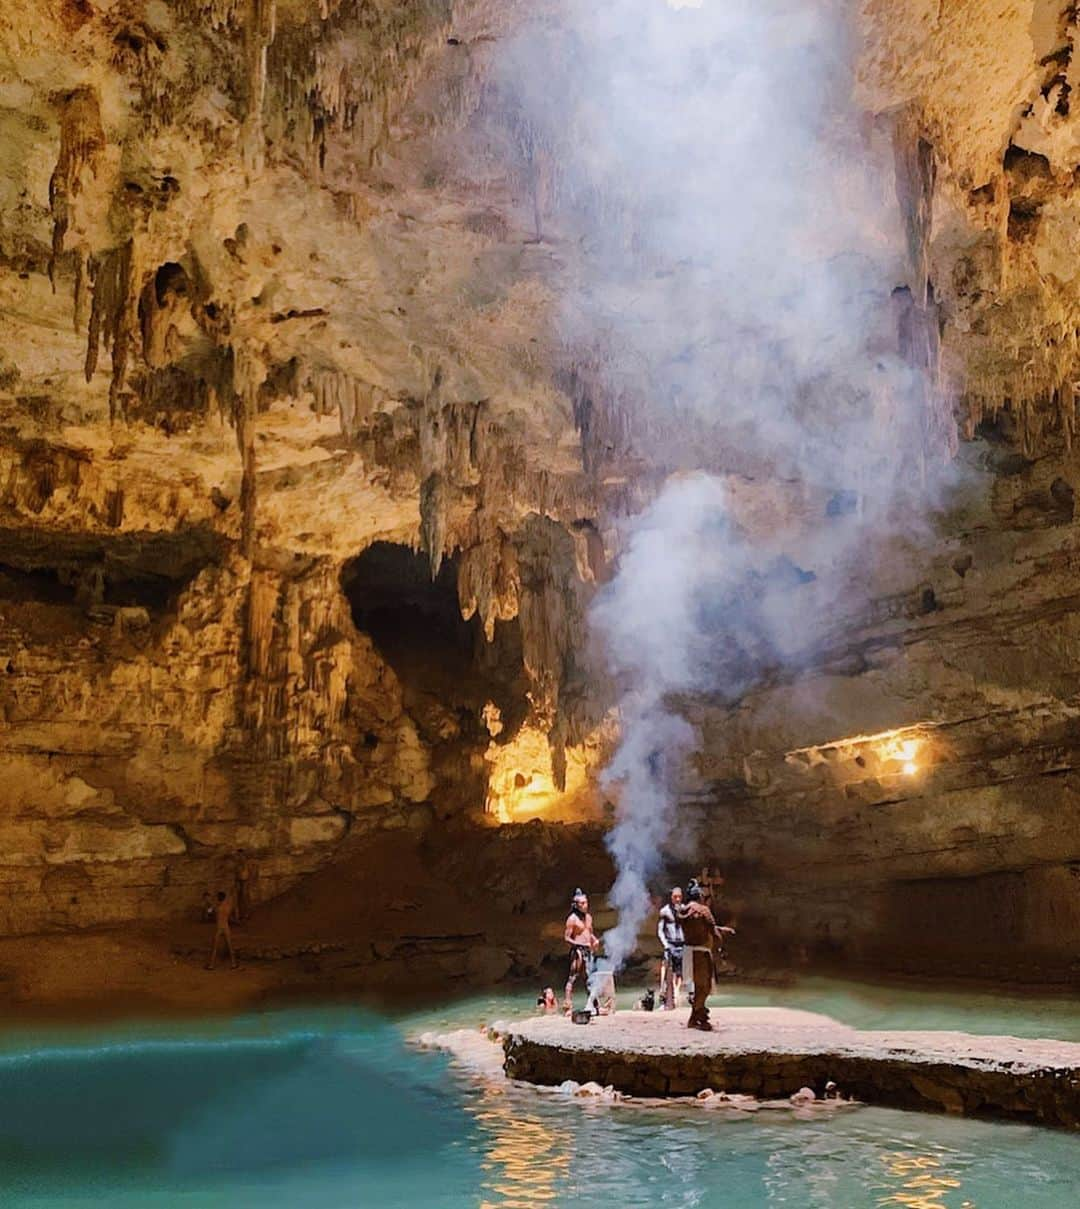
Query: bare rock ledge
[(772, 1052)]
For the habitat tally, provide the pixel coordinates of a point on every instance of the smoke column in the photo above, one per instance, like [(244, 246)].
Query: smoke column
[(742, 244)]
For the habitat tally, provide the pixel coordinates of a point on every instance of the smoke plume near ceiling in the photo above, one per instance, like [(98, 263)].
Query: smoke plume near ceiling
[(744, 246)]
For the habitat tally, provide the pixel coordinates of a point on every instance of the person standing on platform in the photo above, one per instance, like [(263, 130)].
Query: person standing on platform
[(670, 934), (702, 938), (583, 942)]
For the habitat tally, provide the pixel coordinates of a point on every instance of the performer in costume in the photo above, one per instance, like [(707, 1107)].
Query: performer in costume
[(581, 938)]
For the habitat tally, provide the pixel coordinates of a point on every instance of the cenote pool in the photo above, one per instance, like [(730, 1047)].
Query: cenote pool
[(335, 1106)]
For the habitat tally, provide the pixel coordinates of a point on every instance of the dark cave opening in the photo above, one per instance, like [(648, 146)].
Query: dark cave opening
[(416, 625), (447, 669), (92, 572)]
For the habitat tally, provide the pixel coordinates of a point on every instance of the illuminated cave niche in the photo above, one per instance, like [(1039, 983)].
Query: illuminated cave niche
[(447, 670), (468, 696), (521, 779), (906, 752)]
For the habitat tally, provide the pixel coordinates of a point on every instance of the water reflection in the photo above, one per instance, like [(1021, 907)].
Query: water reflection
[(926, 1183), (544, 1148), (526, 1162), (541, 1148)]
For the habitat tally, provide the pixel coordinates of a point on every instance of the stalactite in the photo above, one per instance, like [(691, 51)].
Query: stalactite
[(550, 613), (219, 375), (1034, 383), (488, 580), (919, 322), (321, 93), (81, 309), (139, 51), (249, 373), (82, 139), (916, 172), (218, 14), (433, 526), (434, 488), (352, 399), (114, 318), (604, 417), (260, 30)]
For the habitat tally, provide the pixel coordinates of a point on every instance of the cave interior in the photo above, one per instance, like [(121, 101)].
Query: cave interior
[(395, 465)]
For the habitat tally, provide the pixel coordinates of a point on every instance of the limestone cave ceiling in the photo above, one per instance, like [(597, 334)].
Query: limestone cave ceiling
[(291, 276), (328, 224)]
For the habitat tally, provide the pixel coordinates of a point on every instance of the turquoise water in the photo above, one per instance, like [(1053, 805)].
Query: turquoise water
[(328, 1107)]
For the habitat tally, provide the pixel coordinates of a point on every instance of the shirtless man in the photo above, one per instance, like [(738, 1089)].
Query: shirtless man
[(579, 935), (703, 941), (222, 914)]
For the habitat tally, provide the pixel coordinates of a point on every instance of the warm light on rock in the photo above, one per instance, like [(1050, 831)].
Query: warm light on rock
[(521, 779), (904, 751)]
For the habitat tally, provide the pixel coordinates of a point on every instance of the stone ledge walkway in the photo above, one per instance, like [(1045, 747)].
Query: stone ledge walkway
[(771, 1052)]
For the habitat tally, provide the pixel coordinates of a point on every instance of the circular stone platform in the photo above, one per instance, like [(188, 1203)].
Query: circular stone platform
[(772, 1052)]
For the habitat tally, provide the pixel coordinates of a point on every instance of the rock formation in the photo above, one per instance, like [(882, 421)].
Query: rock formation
[(305, 488)]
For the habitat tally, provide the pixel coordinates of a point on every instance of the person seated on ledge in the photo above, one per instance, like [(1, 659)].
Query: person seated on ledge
[(583, 943), (703, 937)]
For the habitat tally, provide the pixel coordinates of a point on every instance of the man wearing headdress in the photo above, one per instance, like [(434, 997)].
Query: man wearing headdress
[(703, 937), (581, 938)]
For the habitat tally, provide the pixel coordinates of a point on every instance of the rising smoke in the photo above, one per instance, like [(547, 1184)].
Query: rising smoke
[(742, 248)]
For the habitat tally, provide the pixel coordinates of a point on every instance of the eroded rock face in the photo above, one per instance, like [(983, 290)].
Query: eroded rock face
[(267, 301), (985, 91), (284, 287), (909, 799)]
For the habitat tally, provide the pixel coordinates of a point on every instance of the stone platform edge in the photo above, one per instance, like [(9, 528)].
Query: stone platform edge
[(1047, 1096)]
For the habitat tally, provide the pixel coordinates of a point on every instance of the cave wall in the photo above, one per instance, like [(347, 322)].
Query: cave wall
[(138, 751), (961, 632), (986, 90), (265, 302), (962, 851), (283, 281)]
